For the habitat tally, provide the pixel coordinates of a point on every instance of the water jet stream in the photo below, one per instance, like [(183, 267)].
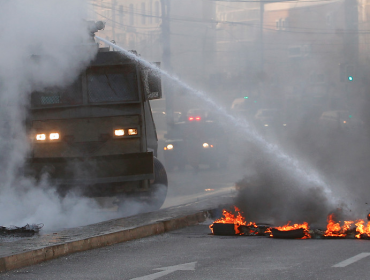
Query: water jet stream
[(291, 164)]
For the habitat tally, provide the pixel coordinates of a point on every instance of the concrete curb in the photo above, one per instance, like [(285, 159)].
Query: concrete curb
[(55, 251)]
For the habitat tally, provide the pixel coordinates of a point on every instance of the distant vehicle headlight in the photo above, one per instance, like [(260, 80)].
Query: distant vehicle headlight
[(266, 125), (284, 124), (40, 137), (132, 131), (205, 145), (54, 136), (169, 147), (119, 132)]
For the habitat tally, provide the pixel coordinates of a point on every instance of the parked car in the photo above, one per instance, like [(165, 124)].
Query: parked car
[(340, 120), (269, 118)]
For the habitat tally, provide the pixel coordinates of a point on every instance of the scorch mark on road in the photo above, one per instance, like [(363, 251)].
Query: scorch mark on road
[(352, 260), (167, 270)]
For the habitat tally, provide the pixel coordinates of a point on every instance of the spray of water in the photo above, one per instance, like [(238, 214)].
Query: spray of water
[(296, 168)]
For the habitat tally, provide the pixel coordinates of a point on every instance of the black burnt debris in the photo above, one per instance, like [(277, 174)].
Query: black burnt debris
[(254, 229), (25, 231)]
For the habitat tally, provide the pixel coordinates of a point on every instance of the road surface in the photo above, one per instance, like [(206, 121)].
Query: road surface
[(192, 253)]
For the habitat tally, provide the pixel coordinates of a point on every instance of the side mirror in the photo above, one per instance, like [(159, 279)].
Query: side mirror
[(152, 82)]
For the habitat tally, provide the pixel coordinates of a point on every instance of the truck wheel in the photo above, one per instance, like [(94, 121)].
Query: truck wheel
[(132, 204), (158, 189)]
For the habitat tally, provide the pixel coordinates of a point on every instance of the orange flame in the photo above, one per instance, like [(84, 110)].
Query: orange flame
[(230, 218), (361, 229), (288, 227), (335, 229)]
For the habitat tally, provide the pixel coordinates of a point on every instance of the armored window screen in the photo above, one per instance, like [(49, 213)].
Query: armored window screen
[(112, 84), (58, 96)]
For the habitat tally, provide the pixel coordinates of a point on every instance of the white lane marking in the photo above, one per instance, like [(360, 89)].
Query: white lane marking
[(167, 270), (352, 260)]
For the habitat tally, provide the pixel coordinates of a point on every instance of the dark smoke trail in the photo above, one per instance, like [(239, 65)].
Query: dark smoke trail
[(273, 195)]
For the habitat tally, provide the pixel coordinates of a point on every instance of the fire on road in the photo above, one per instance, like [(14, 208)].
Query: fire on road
[(334, 229)]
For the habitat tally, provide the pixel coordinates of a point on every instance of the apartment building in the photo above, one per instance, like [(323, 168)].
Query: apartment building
[(307, 47), (134, 25)]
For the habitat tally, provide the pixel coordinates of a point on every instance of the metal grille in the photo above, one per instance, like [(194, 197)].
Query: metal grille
[(53, 99), (105, 86), (57, 96)]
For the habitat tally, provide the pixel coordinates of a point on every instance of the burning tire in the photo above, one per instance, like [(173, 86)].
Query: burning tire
[(289, 234), (223, 229)]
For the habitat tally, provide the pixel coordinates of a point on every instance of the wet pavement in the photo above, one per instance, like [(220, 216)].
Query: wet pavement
[(13, 245)]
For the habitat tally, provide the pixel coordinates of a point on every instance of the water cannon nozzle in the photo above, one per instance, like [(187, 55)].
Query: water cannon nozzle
[(94, 27)]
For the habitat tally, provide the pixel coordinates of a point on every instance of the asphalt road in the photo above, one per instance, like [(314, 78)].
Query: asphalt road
[(192, 253), (188, 185)]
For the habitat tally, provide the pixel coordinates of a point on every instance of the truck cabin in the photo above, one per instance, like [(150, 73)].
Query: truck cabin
[(98, 132)]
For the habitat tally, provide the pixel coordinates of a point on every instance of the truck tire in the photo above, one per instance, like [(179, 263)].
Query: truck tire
[(132, 204), (158, 188)]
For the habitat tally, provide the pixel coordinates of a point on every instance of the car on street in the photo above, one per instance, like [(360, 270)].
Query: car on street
[(198, 139), (340, 120)]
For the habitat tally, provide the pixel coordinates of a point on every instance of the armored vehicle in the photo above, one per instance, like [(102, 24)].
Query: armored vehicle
[(97, 135)]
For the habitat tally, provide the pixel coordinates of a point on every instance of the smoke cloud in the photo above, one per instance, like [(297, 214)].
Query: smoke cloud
[(43, 44), (269, 193), (273, 195)]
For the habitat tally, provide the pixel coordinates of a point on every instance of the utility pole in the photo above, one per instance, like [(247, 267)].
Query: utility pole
[(165, 26), (351, 52), (113, 9), (166, 59), (261, 43)]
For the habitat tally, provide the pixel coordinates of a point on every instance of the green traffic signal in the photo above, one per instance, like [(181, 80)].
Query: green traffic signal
[(350, 78), (245, 97)]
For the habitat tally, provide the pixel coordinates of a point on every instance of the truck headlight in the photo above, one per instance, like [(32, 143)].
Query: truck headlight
[(119, 132), (169, 147), (40, 137), (132, 131), (54, 136), (205, 145)]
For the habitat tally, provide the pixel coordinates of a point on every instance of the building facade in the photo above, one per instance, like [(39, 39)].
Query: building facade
[(282, 53), (134, 25)]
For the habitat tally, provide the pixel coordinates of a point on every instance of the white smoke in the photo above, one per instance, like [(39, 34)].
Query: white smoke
[(56, 31)]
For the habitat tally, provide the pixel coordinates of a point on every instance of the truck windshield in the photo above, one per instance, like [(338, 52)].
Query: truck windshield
[(58, 96), (112, 84)]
